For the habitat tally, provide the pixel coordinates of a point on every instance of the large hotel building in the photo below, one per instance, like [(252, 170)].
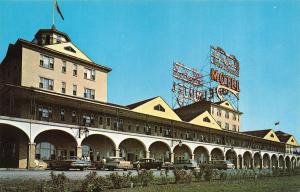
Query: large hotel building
[(53, 105)]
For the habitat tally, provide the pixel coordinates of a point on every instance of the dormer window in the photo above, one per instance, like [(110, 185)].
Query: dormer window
[(272, 135), (206, 119), (58, 39), (69, 48), (159, 108), (293, 140)]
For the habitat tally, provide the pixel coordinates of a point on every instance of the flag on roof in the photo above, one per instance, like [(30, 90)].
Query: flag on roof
[(58, 10), (277, 123)]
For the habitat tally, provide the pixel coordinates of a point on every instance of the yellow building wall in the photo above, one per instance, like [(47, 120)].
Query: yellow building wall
[(268, 136), (199, 121), (148, 108), (31, 73)]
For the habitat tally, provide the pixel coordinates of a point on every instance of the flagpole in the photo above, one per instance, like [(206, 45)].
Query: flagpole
[(53, 12)]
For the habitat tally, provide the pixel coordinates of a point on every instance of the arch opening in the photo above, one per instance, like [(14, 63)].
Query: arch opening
[(201, 155), (247, 160), (274, 161), (132, 149), (231, 156), (182, 153), (257, 161), (266, 161), (217, 154), (281, 162), (65, 145), (97, 147), (160, 151), (13, 147)]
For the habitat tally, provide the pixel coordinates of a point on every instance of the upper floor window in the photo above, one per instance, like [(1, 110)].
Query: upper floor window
[(46, 83), (219, 112), (64, 67), (58, 39), (100, 120), (108, 121), (226, 126), (219, 123), (159, 108), (62, 114), (89, 93), (74, 70), (234, 127), (45, 113), (47, 62), (73, 116), (89, 74), (74, 90), (63, 87), (233, 117), (227, 115)]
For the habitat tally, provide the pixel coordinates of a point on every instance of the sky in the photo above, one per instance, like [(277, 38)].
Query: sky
[(140, 40)]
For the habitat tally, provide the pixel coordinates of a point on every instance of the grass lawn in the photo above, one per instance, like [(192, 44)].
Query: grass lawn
[(272, 184)]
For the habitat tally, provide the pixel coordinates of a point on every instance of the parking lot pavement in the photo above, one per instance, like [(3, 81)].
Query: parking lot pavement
[(45, 174)]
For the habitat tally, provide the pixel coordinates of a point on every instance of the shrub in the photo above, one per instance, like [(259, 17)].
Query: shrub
[(208, 173), (182, 176), (56, 183), (119, 181), (198, 174), (146, 177), (93, 183), (164, 177)]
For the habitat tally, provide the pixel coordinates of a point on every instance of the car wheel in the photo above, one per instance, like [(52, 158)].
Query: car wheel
[(185, 167)]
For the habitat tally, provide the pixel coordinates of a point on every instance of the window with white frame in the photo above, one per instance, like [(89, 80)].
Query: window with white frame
[(89, 93), (74, 70), (46, 83), (89, 74), (64, 67), (74, 90), (47, 62), (63, 87)]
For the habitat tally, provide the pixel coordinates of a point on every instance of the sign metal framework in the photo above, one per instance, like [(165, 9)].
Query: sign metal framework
[(187, 83), (220, 81), (224, 76)]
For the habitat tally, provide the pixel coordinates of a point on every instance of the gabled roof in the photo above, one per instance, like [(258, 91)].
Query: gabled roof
[(26, 43), (286, 138), (267, 134), (61, 47), (206, 120), (201, 106), (134, 105), (149, 106), (258, 133)]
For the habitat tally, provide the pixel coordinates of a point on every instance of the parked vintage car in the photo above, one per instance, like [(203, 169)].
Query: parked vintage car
[(113, 163), (218, 164), (186, 164), (72, 163), (148, 163)]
